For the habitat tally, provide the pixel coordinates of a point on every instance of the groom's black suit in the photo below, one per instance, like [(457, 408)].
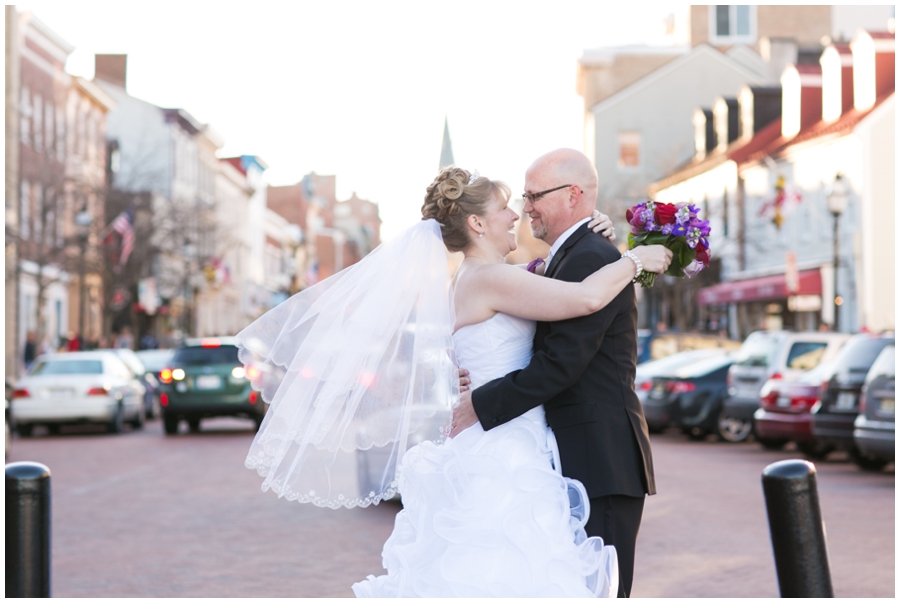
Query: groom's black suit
[(582, 372)]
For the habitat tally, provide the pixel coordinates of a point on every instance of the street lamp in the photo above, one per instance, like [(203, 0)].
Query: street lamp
[(83, 222), (188, 252), (837, 203)]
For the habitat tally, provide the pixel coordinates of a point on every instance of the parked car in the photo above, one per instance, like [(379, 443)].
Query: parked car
[(643, 378), (155, 360), (770, 355), (873, 428), (690, 397), (147, 379), (656, 345), (78, 387), (206, 379), (838, 406), (8, 396), (785, 412)]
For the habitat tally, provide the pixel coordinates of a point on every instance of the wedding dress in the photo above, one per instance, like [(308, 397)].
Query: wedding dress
[(488, 514)]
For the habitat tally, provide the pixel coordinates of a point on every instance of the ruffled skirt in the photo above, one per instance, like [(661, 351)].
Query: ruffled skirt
[(486, 514)]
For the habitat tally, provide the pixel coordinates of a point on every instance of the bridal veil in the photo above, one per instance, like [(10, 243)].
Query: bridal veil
[(355, 368)]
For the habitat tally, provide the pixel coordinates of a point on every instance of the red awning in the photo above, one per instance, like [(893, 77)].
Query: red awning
[(760, 289)]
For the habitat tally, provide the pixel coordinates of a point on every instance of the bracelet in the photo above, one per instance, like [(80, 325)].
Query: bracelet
[(638, 267)]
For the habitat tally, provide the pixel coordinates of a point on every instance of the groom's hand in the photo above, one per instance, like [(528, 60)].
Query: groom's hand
[(463, 415)]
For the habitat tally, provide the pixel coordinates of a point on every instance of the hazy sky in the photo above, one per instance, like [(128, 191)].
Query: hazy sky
[(360, 89)]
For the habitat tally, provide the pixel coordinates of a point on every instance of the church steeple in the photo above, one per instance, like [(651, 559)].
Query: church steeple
[(446, 148)]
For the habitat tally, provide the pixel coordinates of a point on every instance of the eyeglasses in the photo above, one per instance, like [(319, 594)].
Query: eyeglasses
[(534, 197)]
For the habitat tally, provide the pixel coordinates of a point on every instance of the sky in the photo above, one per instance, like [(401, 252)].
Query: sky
[(361, 89)]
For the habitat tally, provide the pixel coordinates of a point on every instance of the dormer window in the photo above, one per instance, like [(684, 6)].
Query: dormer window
[(732, 24)]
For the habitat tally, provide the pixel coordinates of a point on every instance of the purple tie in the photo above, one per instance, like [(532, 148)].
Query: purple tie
[(533, 264)]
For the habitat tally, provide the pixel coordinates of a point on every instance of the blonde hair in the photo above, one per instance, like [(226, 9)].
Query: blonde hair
[(453, 196)]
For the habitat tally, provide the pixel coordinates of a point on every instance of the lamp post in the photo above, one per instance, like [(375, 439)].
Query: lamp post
[(189, 251), (83, 222), (837, 203)]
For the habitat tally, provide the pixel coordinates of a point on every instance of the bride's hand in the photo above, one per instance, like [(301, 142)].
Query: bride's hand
[(655, 258), (601, 223)]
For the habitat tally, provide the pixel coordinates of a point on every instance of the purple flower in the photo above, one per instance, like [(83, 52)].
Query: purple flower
[(683, 215), (646, 215), (693, 237), (667, 229), (680, 230), (651, 225), (693, 269)]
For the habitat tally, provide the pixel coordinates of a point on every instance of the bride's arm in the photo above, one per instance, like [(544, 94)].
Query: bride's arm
[(504, 288)]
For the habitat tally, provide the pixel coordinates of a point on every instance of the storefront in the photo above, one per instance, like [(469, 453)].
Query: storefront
[(768, 302)]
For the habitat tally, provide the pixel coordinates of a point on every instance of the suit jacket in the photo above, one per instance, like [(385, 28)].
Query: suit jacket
[(582, 372)]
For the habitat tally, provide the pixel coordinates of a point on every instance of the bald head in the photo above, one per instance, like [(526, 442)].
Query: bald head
[(557, 168)]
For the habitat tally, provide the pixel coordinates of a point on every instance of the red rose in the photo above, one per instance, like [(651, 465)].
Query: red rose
[(665, 213), (702, 255)]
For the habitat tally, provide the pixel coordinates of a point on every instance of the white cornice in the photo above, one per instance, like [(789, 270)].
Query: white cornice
[(36, 31), (45, 66)]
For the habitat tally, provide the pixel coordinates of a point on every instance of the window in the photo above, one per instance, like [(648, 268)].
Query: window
[(25, 117), (38, 120), (25, 214), (39, 214), (629, 150), (60, 134), (732, 24)]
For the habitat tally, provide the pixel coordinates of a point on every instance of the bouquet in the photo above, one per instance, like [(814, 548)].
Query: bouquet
[(679, 228)]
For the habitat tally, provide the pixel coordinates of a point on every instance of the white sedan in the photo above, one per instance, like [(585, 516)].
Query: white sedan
[(78, 387)]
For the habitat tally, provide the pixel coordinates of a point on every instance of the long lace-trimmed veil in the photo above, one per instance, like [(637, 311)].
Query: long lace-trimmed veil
[(358, 364)]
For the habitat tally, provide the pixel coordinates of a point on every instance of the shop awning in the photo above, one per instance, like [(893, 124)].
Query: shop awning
[(760, 289)]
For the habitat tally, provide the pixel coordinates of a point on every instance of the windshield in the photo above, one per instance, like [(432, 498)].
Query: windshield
[(884, 364), (132, 361), (704, 367), (860, 352), (757, 350), (668, 363), (195, 356), (805, 355), (155, 360), (68, 367)]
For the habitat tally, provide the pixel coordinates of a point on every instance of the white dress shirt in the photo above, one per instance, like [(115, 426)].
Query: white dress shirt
[(562, 239)]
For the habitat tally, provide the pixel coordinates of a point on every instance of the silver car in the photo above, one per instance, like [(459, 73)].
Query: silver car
[(78, 387)]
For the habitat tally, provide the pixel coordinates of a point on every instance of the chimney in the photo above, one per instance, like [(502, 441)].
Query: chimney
[(111, 68), (801, 99), (704, 134), (725, 121), (837, 81), (873, 67), (778, 53), (757, 107)]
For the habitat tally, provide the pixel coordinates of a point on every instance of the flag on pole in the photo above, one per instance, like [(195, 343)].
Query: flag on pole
[(124, 225), (312, 274)]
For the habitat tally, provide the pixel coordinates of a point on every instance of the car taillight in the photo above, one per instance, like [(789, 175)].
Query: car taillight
[(163, 399), (729, 379), (646, 386), (680, 387), (98, 391), (775, 376), (254, 396), (165, 375), (802, 403), (21, 393), (210, 343), (862, 402), (769, 399), (178, 374)]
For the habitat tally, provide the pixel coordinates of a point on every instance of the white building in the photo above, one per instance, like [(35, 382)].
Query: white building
[(767, 199)]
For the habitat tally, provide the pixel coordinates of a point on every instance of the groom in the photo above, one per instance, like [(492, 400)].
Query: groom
[(583, 369)]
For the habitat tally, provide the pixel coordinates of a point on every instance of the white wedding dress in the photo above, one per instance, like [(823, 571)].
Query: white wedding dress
[(488, 514)]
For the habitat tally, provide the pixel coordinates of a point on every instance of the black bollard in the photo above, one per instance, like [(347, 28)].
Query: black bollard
[(27, 530), (797, 530)]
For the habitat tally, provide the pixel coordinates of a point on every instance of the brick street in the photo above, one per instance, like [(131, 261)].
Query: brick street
[(141, 514)]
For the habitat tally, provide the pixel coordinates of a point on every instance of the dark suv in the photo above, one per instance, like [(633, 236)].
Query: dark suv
[(206, 379), (838, 404)]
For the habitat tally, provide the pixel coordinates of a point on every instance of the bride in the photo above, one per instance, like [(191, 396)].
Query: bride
[(363, 366)]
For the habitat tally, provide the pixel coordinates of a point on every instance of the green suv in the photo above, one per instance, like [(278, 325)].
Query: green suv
[(205, 379)]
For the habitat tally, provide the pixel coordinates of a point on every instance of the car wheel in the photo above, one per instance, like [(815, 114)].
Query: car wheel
[(814, 450), (24, 430), (140, 419), (118, 421), (772, 444), (697, 434), (194, 424), (170, 424), (734, 430), (257, 421), (866, 462)]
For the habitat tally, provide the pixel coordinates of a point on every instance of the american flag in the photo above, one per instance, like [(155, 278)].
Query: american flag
[(123, 225), (312, 274)]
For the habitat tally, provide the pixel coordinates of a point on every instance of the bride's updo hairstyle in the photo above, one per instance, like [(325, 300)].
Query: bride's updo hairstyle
[(453, 197)]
